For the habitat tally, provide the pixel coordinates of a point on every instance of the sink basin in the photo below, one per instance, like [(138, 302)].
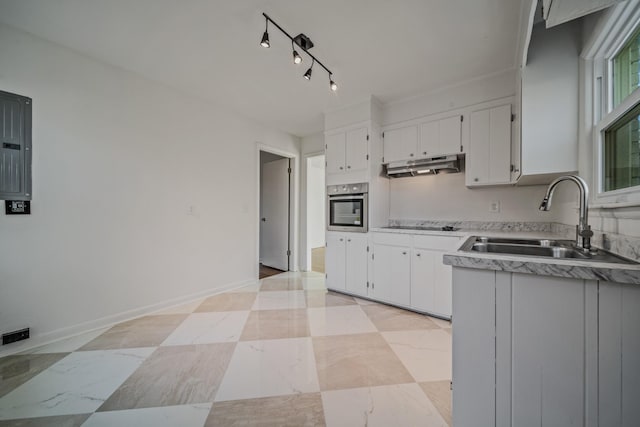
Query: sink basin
[(562, 249)]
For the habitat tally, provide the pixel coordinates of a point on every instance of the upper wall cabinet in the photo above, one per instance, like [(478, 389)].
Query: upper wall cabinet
[(489, 153), (426, 139), (400, 143), (347, 154), (549, 118), (441, 137), (15, 151)]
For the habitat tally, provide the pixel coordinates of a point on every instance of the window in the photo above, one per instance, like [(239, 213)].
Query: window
[(615, 55)]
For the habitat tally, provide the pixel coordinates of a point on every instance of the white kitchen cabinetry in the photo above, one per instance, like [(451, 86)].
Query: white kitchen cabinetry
[(391, 259), (407, 270), (441, 137), (346, 262), (489, 153), (400, 144), (544, 351), (347, 152)]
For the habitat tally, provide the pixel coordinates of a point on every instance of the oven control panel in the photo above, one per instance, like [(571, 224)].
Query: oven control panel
[(358, 188)]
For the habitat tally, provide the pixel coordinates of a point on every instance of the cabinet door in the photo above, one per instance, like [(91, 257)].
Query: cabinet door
[(442, 278), (429, 139), (335, 265), (422, 280), (356, 260), (489, 153), (392, 274), (450, 138), (356, 150), (548, 348), (619, 354), (335, 152), (400, 144)]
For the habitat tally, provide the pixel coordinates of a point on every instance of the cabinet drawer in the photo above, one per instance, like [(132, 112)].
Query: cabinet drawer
[(393, 239), (444, 243)]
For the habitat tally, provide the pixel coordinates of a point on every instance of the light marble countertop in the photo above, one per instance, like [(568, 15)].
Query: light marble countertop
[(571, 268)]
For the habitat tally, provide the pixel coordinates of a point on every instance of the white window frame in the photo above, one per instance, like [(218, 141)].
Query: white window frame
[(620, 23)]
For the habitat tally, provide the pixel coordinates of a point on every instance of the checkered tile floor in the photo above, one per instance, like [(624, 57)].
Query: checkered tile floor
[(283, 352)]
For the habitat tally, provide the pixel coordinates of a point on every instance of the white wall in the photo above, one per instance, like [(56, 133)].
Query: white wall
[(141, 194), (311, 145), (316, 193)]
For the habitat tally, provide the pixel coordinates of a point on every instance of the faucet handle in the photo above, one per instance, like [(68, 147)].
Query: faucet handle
[(586, 232)]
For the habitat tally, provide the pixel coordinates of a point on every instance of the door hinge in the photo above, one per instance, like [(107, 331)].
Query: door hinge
[(383, 135), (326, 164), (382, 159), (289, 170), (461, 148), (367, 248), (373, 285), (373, 256), (512, 167), (326, 146), (367, 284), (513, 117), (288, 252), (326, 275), (367, 137), (367, 157), (461, 118), (450, 385)]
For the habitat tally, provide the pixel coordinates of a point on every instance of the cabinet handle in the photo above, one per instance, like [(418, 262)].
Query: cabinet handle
[(342, 240), (424, 152), (348, 167), (475, 179), (418, 254), (404, 253), (341, 168), (348, 240), (410, 154)]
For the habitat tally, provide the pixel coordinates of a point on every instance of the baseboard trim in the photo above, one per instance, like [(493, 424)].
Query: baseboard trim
[(38, 340)]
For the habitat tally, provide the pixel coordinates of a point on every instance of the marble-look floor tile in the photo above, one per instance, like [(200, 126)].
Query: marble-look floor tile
[(363, 360), (230, 301), (77, 384), (339, 321), (426, 354), (281, 284), (148, 331), (439, 393), (253, 287), (280, 300), (18, 369), (392, 405), (324, 298), (276, 324), (314, 283), (363, 301), (177, 375), (68, 345), (166, 416), (441, 322), (281, 411), (270, 368), (395, 319), (206, 328), (57, 421), (186, 308)]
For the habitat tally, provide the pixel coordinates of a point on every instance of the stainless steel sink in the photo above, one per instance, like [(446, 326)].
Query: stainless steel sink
[(562, 249)]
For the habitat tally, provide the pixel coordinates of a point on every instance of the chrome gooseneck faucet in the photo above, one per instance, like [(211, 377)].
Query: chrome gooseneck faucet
[(583, 230)]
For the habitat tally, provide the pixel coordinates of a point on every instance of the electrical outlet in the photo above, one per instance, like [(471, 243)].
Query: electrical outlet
[(14, 336), (494, 207)]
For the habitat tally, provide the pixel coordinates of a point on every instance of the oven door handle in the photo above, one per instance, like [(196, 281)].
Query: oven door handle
[(349, 197)]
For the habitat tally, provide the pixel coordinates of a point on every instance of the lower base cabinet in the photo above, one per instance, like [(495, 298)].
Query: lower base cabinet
[(346, 260), (533, 350)]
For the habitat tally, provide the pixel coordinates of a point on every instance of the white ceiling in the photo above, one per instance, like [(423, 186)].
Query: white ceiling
[(391, 49)]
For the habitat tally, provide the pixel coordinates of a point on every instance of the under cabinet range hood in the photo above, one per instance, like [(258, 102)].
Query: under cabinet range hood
[(431, 165)]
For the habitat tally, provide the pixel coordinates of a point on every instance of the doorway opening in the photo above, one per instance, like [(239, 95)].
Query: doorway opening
[(275, 214), (316, 195)]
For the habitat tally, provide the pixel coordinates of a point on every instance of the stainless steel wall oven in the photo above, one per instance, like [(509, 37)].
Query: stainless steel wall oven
[(347, 207)]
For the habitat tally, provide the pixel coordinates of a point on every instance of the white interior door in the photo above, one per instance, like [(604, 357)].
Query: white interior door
[(274, 218)]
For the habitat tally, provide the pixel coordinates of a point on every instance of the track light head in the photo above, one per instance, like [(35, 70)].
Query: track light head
[(265, 40), (296, 58), (307, 75), (332, 84)]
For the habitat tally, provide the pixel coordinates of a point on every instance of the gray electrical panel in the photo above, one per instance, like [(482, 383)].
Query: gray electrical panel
[(15, 147)]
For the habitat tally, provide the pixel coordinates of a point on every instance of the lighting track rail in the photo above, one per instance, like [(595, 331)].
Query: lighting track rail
[(304, 43)]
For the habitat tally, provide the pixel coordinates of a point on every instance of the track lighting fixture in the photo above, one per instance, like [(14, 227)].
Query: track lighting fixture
[(304, 43), (265, 36), (296, 58), (307, 75)]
